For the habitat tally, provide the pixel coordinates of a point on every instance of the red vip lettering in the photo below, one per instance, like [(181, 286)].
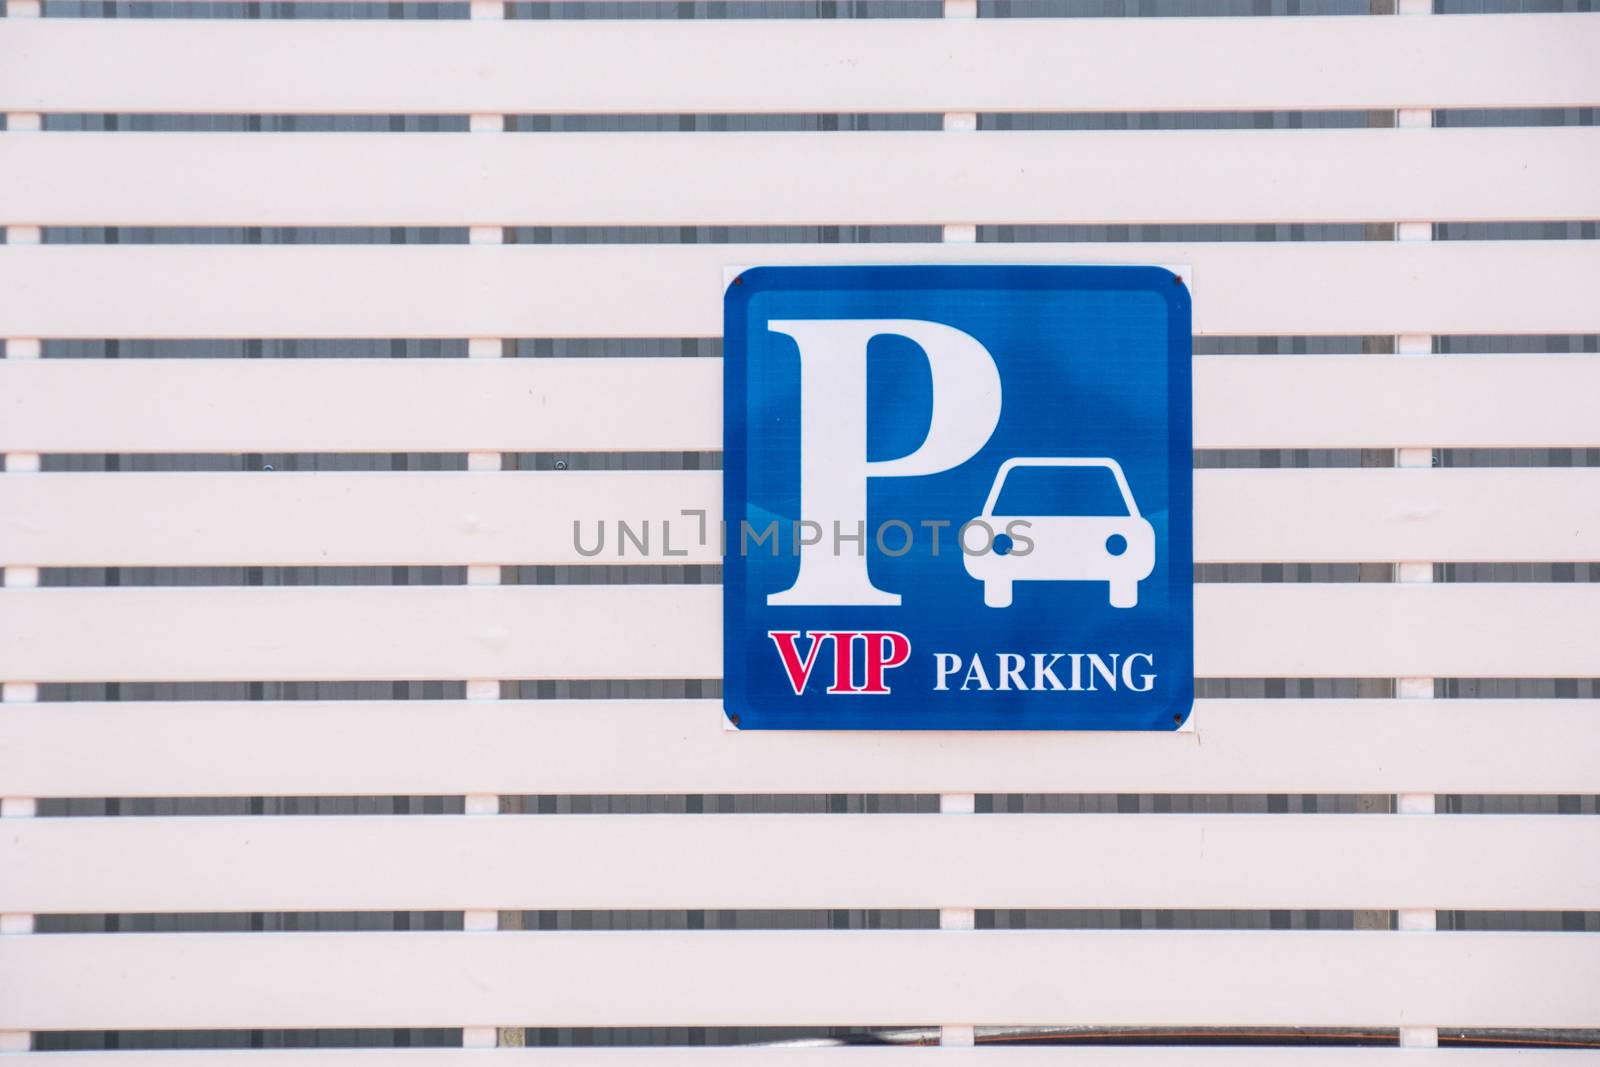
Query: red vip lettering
[(880, 651)]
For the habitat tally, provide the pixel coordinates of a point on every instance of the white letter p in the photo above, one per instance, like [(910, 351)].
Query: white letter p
[(833, 437)]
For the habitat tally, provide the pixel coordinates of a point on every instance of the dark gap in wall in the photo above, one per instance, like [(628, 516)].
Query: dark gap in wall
[(1514, 116), (1516, 804), (1163, 233), (1501, 1037), (1510, 7), (725, 919), (690, 235), (255, 235), (524, 235), (1032, 9), (728, 9), (1266, 345), (796, 122), (722, 804), (1572, 230), (1516, 572), (611, 461), (803, 919), (1516, 457), (165, 807), (612, 689), (726, 122), (1516, 688), (1184, 803), (1587, 922), (55, 462), (1275, 458), (207, 9), (1515, 344), (1244, 1037), (245, 922), (723, 1036), (697, 1036), (50, 692), (137, 122), (164, 577), (789, 9), (1182, 919), (257, 348), (1185, 120), (1293, 688), (614, 347), (132, 1040), (566, 574), (1272, 573), (820, 804), (614, 574), (510, 804)]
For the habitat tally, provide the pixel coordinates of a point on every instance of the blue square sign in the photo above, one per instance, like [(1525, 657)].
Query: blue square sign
[(958, 498)]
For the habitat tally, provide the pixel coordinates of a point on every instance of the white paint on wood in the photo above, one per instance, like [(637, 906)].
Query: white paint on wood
[(955, 863), (812, 179), (839, 978), (528, 517), (384, 747), (787, 65), (662, 631), (1343, 287), (612, 631), (675, 404)]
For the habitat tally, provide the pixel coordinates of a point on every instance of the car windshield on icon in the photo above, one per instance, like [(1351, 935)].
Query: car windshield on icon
[(1072, 520)]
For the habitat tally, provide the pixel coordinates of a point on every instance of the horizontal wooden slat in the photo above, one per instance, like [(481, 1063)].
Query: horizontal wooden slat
[(378, 405), (286, 519), (802, 65), (312, 519), (902, 177), (1354, 515), (614, 631), (380, 747), (823, 1054), (619, 404), (455, 862), (1353, 287), (1358, 630), (1489, 401), (328, 632), (841, 978)]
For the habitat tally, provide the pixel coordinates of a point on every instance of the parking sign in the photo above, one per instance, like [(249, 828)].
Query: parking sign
[(958, 497)]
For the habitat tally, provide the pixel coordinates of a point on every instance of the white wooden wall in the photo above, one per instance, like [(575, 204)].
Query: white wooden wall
[(489, 981)]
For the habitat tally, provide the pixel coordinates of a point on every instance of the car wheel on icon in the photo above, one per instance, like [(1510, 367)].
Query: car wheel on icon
[(1063, 519)]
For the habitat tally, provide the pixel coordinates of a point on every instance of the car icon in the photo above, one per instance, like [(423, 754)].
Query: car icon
[(1082, 520)]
